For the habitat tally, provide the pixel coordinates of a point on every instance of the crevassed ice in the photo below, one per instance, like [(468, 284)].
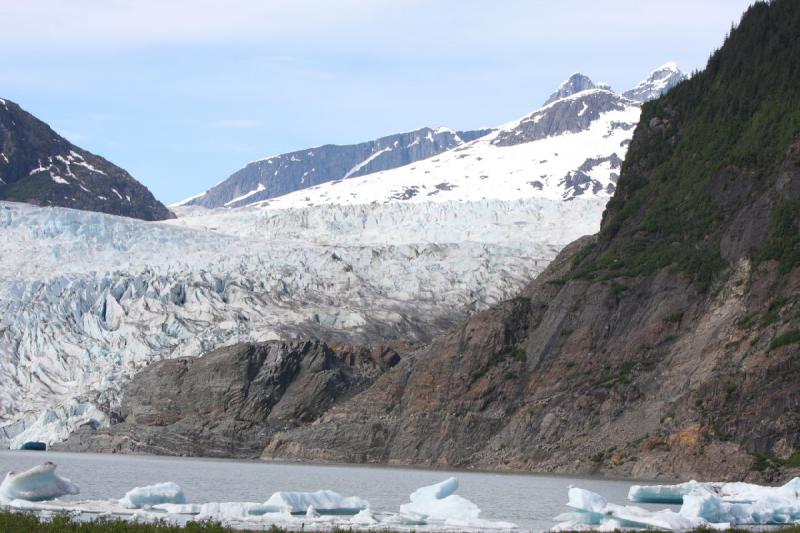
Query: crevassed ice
[(88, 299)]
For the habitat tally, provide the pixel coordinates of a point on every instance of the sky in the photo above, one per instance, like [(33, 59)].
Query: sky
[(182, 93)]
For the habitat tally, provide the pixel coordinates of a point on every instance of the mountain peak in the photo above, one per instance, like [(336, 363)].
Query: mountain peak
[(658, 82), (574, 84)]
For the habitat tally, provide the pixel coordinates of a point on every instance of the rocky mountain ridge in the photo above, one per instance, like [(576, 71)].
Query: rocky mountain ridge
[(282, 174), (444, 165), (40, 167)]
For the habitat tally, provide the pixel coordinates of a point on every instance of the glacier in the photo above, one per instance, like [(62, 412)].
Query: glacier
[(88, 299)]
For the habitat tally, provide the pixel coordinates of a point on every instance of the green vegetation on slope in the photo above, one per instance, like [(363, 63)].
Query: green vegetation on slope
[(705, 150)]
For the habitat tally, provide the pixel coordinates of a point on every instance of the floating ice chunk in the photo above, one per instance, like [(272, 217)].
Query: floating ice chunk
[(439, 502), (664, 493), (179, 508), (591, 509), (324, 501), (730, 492), (36, 484), (764, 511), (150, 495), (364, 517), (236, 511), (311, 512)]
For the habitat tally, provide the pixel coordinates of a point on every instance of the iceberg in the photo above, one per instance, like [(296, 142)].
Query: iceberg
[(591, 509), (439, 502), (151, 495), (769, 510), (36, 484), (323, 501), (713, 504), (665, 493), (730, 492)]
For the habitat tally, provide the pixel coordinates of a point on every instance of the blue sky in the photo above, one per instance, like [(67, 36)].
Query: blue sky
[(181, 93)]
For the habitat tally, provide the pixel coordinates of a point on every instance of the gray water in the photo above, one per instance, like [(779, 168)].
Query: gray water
[(530, 501)]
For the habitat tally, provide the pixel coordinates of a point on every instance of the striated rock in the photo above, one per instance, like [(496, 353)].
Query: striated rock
[(228, 402)]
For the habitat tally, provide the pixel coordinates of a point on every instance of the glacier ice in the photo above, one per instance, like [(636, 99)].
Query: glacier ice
[(591, 509), (323, 501), (736, 492), (710, 504), (36, 484), (87, 299), (160, 493), (663, 493), (439, 502)]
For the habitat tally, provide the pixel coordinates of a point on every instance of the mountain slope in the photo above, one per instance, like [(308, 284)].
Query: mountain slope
[(573, 146), (40, 167), (668, 345), (282, 174)]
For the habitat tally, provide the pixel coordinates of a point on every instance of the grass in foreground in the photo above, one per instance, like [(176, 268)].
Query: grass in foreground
[(25, 522)]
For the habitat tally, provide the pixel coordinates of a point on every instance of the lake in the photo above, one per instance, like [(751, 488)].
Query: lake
[(530, 501)]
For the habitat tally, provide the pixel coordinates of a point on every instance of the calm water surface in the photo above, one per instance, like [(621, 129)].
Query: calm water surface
[(530, 501)]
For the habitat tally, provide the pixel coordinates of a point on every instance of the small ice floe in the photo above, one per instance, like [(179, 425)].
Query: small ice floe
[(711, 505), (323, 501), (37, 484), (592, 511), (730, 492), (160, 493), (440, 503)]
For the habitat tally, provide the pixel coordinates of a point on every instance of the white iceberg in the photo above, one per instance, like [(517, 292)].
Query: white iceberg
[(323, 501), (716, 505), (36, 484), (769, 510), (151, 495), (665, 493), (439, 502), (591, 509)]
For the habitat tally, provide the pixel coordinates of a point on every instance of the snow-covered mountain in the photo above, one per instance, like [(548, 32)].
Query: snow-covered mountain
[(285, 173), (39, 166), (660, 81), (571, 146)]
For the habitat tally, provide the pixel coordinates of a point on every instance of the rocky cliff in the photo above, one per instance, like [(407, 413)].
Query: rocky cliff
[(40, 167), (228, 402)]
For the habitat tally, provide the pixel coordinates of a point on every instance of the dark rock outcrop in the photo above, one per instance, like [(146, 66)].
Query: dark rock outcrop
[(230, 401), (40, 167)]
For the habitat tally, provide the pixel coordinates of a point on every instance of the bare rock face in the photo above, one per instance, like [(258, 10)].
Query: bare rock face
[(228, 402), (40, 167)]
